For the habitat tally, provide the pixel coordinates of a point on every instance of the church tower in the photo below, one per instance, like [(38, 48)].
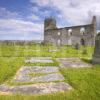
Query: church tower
[(49, 23)]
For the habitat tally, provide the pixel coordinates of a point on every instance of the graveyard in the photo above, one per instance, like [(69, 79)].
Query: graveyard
[(47, 72), (49, 50)]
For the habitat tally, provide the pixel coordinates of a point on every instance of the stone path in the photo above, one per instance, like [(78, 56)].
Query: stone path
[(39, 59), (42, 88), (46, 79), (53, 50), (37, 74), (73, 62)]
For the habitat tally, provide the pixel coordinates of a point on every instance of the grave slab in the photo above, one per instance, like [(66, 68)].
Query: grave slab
[(36, 88), (38, 69), (37, 74), (73, 63), (39, 59), (48, 78)]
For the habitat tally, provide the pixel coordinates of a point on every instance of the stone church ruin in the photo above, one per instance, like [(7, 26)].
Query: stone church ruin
[(82, 34)]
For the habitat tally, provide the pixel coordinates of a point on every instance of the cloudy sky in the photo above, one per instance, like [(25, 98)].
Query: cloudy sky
[(23, 19)]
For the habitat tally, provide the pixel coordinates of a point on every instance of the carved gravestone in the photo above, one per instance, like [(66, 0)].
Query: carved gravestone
[(96, 55)]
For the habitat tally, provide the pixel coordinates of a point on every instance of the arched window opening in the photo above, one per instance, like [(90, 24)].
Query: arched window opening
[(59, 33), (82, 30), (82, 42), (70, 32)]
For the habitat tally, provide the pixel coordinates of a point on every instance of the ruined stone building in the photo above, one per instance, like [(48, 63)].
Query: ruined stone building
[(82, 34)]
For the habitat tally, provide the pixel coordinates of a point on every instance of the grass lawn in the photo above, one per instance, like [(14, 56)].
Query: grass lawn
[(85, 81)]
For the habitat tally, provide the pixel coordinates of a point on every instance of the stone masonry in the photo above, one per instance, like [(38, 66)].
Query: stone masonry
[(82, 34)]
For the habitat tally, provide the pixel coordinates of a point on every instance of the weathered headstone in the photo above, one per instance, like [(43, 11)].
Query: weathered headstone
[(96, 55)]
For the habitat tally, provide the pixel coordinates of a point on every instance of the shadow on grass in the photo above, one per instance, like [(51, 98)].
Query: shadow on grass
[(90, 61), (87, 60)]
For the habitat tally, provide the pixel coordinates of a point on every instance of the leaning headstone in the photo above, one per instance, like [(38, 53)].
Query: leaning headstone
[(96, 55)]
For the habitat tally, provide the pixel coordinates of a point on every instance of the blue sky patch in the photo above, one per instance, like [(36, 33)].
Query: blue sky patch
[(23, 19)]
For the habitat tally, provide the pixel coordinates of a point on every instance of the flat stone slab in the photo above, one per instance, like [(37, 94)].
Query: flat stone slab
[(37, 74), (73, 62), (32, 50), (38, 69), (48, 78), (39, 59), (35, 88), (44, 78), (42, 58), (53, 50)]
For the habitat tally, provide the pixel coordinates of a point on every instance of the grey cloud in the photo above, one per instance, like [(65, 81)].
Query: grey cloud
[(75, 11)]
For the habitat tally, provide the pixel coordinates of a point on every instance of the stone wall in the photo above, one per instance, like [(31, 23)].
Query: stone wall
[(71, 35)]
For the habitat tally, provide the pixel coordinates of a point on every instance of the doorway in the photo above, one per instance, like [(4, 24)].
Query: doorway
[(82, 42)]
